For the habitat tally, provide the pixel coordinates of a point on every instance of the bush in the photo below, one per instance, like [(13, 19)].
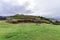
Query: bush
[(56, 23)]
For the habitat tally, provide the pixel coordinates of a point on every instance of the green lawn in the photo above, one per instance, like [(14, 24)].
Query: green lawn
[(29, 31)]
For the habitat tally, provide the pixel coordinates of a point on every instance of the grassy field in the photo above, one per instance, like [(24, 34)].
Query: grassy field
[(29, 31)]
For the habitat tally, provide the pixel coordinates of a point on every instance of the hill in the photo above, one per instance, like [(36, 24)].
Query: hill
[(29, 18)]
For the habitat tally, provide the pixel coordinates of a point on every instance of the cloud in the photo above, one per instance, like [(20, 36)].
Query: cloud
[(9, 7), (49, 8)]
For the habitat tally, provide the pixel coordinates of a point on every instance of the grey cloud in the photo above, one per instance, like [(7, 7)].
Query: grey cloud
[(9, 9)]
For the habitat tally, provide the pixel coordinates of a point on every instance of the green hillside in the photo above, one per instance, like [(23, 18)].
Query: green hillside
[(30, 19), (17, 16), (29, 31)]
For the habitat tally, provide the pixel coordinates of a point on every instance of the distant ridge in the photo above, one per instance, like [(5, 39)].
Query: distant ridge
[(54, 19)]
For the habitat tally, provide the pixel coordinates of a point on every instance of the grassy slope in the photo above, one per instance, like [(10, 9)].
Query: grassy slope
[(29, 31)]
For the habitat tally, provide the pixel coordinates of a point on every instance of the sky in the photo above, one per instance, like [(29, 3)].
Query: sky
[(47, 8)]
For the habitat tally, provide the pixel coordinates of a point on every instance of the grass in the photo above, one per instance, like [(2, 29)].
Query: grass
[(29, 31)]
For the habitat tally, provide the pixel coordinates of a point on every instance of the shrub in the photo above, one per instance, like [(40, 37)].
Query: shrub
[(56, 23)]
